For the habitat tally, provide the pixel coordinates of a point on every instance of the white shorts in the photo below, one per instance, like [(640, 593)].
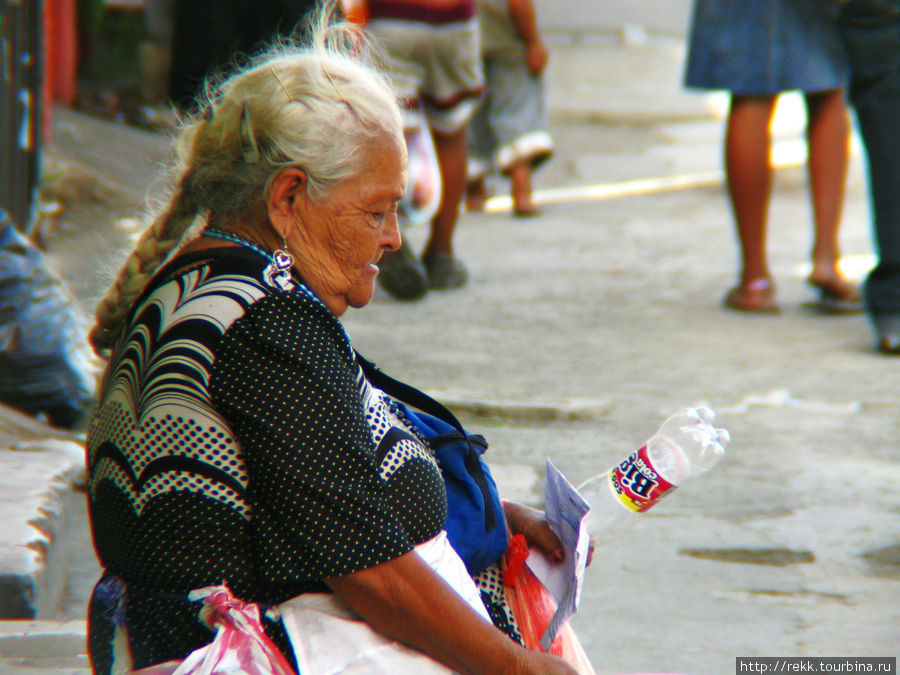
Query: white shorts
[(437, 66)]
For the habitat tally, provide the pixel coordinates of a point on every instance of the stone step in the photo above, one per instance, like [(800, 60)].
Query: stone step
[(40, 467), (51, 647)]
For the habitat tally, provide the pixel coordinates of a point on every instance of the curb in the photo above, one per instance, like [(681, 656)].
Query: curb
[(573, 410), (44, 647), (39, 466)]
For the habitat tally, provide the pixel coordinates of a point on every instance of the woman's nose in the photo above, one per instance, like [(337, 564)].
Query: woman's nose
[(392, 237)]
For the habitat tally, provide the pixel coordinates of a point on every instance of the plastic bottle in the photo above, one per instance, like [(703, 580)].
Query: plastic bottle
[(685, 445)]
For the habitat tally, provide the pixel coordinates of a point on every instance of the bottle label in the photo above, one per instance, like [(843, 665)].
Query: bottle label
[(637, 485)]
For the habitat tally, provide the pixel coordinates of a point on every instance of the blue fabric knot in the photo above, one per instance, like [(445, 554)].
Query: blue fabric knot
[(110, 593)]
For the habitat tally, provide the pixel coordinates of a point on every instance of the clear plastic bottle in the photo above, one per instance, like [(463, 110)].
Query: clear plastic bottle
[(685, 445)]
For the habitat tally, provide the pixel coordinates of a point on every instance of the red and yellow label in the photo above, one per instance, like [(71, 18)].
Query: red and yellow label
[(636, 483)]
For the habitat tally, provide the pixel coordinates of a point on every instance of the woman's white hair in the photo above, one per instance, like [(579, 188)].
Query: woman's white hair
[(317, 107)]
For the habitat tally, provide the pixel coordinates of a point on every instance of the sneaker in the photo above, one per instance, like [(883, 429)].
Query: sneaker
[(445, 271), (401, 274), (889, 344), (887, 330)]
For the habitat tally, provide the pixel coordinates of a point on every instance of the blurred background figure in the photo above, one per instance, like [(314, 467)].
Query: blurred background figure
[(45, 369), (509, 132), (207, 34), (433, 58), (756, 51), (871, 33), (156, 50)]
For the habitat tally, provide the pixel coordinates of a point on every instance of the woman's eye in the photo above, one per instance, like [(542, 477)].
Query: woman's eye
[(381, 216)]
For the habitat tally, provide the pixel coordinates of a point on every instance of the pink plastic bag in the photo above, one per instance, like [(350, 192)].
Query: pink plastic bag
[(239, 648), (533, 607), (423, 195)]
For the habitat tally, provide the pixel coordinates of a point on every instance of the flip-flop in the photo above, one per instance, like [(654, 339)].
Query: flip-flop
[(833, 301), (757, 297)]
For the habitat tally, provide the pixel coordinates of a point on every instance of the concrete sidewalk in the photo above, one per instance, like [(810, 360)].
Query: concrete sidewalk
[(578, 333)]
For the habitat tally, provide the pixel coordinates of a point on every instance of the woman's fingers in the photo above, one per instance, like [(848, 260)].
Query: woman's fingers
[(532, 524)]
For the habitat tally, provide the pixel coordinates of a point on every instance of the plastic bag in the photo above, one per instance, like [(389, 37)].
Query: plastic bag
[(423, 193), (45, 364), (533, 607), (328, 638), (240, 646)]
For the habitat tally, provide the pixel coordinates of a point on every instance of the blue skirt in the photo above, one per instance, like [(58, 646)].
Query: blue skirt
[(764, 47)]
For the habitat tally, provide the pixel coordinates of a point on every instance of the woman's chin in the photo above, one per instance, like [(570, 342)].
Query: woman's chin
[(363, 293)]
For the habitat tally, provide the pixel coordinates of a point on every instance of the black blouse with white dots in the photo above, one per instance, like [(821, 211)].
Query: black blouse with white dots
[(236, 441)]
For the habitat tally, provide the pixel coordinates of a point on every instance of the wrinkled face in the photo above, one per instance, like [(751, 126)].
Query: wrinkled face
[(339, 239)]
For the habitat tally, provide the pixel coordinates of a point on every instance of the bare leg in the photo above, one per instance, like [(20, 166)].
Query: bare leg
[(451, 155), (828, 133), (520, 178), (476, 194), (749, 176)]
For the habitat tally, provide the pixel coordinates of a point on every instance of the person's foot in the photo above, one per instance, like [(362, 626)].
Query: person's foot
[(887, 333), (530, 211), (401, 274), (889, 344), (836, 296), (757, 296), (444, 270), (523, 205)]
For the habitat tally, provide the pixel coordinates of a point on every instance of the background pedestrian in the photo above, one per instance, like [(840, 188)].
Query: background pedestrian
[(757, 51), (509, 132), (871, 32), (433, 59)]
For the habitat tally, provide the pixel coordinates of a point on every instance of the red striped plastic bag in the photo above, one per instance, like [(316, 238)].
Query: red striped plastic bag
[(240, 646), (533, 607)]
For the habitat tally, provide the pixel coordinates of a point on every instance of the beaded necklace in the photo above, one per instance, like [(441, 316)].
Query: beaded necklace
[(216, 233), (277, 273)]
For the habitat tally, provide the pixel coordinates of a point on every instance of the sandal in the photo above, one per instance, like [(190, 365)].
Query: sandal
[(836, 296), (531, 212), (757, 297)]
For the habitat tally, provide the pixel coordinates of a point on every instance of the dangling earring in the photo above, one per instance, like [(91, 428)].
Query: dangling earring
[(282, 258), (278, 272)]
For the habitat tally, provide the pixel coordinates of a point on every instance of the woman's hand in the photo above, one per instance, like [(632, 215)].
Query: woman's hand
[(545, 664), (532, 524), (536, 57)]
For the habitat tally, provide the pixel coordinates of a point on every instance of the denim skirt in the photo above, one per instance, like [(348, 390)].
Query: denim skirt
[(763, 47)]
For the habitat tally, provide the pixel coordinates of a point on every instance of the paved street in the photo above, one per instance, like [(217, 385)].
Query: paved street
[(581, 330)]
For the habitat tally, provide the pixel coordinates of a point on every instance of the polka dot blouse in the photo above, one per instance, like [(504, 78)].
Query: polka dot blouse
[(237, 441)]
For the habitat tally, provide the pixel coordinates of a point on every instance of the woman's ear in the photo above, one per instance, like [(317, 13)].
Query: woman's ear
[(287, 187)]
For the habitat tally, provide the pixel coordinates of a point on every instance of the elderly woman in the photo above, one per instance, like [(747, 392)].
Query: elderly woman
[(236, 438)]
